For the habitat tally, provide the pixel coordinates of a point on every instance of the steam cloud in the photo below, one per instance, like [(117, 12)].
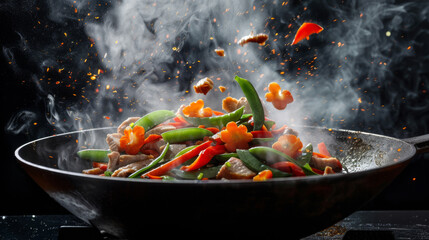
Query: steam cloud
[(145, 55)]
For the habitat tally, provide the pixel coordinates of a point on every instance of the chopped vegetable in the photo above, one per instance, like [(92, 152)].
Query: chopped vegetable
[(204, 157), (235, 137), (306, 155), (153, 119), (210, 172), (94, 155), (152, 164), (305, 31), (288, 144), (280, 99), (196, 109), (255, 165), (216, 121), (241, 143), (133, 139), (185, 134), (261, 134), (323, 149), (254, 102), (161, 170), (224, 157), (289, 167), (179, 122), (263, 176), (271, 156)]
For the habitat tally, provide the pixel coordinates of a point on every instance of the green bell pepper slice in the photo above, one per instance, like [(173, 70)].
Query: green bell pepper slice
[(154, 118), (185, 134), (152, 164), (271, 156), (94, 155), (209, 172)]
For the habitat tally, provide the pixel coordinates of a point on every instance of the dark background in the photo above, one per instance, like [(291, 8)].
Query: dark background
[(29, 35)]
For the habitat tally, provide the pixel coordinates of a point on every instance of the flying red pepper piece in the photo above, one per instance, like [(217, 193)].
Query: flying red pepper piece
[(305, 31)]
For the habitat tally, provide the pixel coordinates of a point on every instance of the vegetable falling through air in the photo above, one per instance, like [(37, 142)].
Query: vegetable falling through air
[(305, 31)]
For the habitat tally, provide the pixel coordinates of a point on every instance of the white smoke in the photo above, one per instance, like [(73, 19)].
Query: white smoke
[(152, 52)]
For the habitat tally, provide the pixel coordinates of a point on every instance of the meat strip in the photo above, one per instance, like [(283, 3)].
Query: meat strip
[(321, 163), (126, 123), (113, 142), (117, 160), (260, 38), (93, 171), (204, 86), (234, 168), (131, 168)]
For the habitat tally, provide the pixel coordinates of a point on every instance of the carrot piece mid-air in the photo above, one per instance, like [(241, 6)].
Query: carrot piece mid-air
[(305, 31)]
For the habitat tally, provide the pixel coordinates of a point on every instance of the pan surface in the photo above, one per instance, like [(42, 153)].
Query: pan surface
[(290, 207)]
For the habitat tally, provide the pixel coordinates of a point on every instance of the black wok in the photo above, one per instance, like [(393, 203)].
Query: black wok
[(291, 207)]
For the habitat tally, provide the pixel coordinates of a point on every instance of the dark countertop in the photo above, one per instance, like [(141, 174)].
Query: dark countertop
[(360, 225)]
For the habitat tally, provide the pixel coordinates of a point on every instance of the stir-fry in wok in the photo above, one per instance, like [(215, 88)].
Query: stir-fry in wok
[(199, 143)]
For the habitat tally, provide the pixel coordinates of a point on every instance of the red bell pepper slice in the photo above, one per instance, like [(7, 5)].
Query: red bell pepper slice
[(278, 131), (323, 149), (102, 166), (204, 157), (161, 170), (305, 31), (261, 134), (289, 167)]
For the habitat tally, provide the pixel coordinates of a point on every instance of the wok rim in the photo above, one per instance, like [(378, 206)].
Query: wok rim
[(403, 160)]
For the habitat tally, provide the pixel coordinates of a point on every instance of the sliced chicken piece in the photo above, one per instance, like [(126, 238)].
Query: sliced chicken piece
[(113, 142), (234, 168), (93, 171), (117, 160), (131, 168), (126, 123), (204, 86), (328, 170), (322, 162)]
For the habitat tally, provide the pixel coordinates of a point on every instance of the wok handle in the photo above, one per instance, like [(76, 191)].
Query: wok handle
[(420, 142)]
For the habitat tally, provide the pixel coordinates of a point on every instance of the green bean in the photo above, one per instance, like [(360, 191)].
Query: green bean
[(209, 172), (152, 164), (185, 134), (254, 102), (94, 155), (271, 156), (154, 118), (185, 150), (255, 165), (305, 157), (225, 156)]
